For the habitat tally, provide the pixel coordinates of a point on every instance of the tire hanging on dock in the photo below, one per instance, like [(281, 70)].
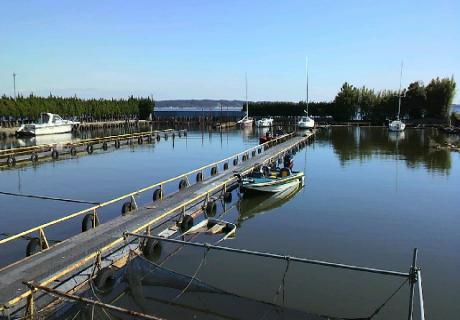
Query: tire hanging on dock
[(54, 154), (11, 161), (105, 279), (211, 209), (186, 223), (225, 166), (126, 208), (89, 148), (105, 146), (117, 144), (213, 171), (199, 177), (140, 140), (89, 222), (182, 184), (34, 158), (157, 195), (33, 247), (227, 197), (152, 250), (235, 161), (73, 151)]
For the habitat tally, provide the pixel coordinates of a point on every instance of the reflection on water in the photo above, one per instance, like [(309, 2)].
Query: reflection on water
[(259, 203), (46, 139), (413, 146)]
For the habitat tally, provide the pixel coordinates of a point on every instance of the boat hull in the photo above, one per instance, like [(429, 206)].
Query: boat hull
[(37, 130), (397, 126), (276, 185)]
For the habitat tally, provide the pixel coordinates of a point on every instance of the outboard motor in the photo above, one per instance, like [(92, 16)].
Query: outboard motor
[(288, 162)]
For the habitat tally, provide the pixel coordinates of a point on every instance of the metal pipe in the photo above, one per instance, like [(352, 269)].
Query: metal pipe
[(45, 197), (274, 256), (412, 275), (420, 295), (93, 302)]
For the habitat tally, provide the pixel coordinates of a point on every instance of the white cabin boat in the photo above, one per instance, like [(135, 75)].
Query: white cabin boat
[(306, 122), (48, 123), (264, 122)]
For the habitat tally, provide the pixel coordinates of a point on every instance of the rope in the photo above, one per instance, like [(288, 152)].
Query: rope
[(388, 299), (45, 197), (193, 277)]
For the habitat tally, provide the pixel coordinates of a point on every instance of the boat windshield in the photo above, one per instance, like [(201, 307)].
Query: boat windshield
[(304, 119), (44, 118), (56, 118)]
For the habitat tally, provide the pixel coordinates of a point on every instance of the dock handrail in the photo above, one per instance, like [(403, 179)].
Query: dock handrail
[(146, 225), (41, 227)]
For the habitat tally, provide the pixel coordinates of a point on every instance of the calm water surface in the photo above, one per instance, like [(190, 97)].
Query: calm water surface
[(370, 197)]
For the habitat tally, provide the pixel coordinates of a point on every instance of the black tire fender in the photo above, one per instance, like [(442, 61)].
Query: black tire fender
[(186, 223), (157, 195), (88, 222), (105, 279), (152, 249)]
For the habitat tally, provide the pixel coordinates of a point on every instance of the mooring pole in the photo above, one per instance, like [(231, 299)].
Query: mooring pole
[(412, 279)]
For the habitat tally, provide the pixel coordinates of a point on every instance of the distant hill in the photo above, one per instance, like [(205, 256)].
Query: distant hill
[(197, 104)]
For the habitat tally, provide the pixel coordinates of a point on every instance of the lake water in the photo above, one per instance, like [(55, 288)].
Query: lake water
[(370, 197)]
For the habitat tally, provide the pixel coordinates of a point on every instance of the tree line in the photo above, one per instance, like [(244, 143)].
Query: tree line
[(418, 101), (29, 108)]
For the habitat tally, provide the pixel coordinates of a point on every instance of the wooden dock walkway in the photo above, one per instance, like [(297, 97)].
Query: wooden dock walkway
[(72, 255)]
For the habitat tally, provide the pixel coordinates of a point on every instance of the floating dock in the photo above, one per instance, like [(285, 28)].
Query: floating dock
[(55, 151), (106, 242)]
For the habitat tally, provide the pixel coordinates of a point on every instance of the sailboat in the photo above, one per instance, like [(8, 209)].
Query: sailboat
[(306, 122), (397, 125), (246, 121)]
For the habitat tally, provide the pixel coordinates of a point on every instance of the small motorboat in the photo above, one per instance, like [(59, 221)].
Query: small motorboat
[(48, 123), (273, 180), (264, 122)]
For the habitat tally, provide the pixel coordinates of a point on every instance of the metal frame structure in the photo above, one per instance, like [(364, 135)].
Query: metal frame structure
[(414, 274)]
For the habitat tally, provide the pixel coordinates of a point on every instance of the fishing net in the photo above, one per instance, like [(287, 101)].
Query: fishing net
[(153, 289)]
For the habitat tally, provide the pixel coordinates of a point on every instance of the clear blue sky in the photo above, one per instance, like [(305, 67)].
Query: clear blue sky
[(201, 49)]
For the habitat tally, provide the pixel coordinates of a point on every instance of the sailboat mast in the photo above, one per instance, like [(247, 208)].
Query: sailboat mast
[(247, 105), (306, 73), (399, 93)]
